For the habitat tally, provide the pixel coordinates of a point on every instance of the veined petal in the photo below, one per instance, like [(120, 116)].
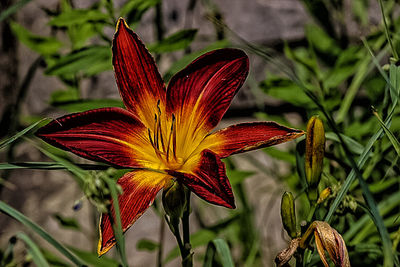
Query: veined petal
[(208, 180), (200, 94), (139, 191), (139, 82), (248, 136), (110, 135)]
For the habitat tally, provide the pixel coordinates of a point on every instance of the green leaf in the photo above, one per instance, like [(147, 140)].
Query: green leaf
[(133, 10), (66, 222), (90, 61), (394, 75), (92, 259), (117, 226), (352, 144), (389, 134), (7, 256), (12, 9), (86, 104), (78, 173), (49, 166), (185, 60), (34, 251), (71, 94), (177, 41), (284, 89), (237, 176), (8, 141), (221, 249), (281, 155), (320, 40), (54, 260), (41, 44), (78, 17), (200, 238), (147, 244), (37, 229)]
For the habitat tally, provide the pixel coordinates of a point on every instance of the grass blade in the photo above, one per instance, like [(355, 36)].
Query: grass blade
[(8, 141), (389, 134), (34, 251), (48, 166), (12, 9), (40, 231), (117, 226), (220, 247)]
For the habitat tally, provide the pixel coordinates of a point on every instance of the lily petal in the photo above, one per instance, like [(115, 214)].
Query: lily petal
[(248, 136), (110, 135), (139, 191), (200, 94), (208, 180), (139, 82)]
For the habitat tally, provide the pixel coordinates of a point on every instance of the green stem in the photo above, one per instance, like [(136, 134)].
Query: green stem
[(187, 255), (161, 244), (185, 247), (311, 212)]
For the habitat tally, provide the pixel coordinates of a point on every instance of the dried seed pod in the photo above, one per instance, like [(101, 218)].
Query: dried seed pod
[(327, 239)]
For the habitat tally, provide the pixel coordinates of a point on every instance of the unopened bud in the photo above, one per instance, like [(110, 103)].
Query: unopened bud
[(315, 147), (97, 191), (288, 214), (174, 199), (327, 239), (324, 195)]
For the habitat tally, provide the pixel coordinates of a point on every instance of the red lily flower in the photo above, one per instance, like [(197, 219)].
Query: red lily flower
[(165, 132)]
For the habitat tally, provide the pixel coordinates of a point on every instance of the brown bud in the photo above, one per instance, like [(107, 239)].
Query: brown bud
[(327, 239)]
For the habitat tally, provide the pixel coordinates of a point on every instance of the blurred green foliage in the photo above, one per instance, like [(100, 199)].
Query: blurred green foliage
[(330, 73)]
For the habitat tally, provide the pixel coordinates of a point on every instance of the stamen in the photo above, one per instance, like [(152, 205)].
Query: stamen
[(153, 145), (174, 137), (159, 130), (170, 135), (154, 129)]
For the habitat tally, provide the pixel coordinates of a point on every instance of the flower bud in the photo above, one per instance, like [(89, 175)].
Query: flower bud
[(324, 195), (288, 214), (96, 189), (315, 147), (174, 199), (327, 239)]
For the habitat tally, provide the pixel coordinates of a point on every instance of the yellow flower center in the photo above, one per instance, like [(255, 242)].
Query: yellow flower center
[(163, 140)]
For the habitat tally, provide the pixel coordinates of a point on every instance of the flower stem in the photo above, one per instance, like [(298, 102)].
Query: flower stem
[(183, 241), (187, 255)]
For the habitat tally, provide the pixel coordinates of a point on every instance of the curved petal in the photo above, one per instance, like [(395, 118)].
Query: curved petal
[(208, 180), (248, 136), (139, 82), (139, 191), (110, 135), (200, 94)]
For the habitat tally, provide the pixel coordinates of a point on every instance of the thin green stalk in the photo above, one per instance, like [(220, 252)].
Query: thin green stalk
[(187, 257), (311, 212), (40, 231), (394, 52), (117, 225), (159, 262)]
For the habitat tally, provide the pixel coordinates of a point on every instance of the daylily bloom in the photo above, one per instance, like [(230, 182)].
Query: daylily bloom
[(165, 133)]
